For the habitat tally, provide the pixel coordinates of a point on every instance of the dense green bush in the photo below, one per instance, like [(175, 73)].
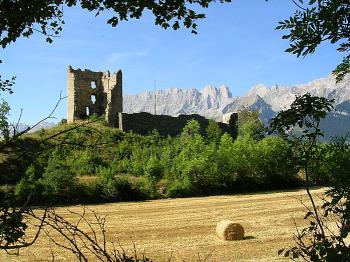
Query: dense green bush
[(147, 187), (249, 124), (111, 186), (154, 168), (16, 157), (59, 183), (115, 189), (30, 185), (85, 162), (180, 188), (275, 163)]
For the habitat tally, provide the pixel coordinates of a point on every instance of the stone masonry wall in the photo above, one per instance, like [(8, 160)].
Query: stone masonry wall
[(114, 98), (100, 93), (144, 123), (94, 93)]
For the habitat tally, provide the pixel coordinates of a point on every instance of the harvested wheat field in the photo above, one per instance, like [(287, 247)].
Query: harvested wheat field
[(184, 229)]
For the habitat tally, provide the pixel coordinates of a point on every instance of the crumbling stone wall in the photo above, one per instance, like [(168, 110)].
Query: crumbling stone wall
[(94, 93), (144, 123), (101, 93)]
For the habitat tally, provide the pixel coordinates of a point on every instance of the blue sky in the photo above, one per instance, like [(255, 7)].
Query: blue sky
[(236, 45)]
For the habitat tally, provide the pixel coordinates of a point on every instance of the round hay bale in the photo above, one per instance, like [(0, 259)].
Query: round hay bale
[(228, 230)]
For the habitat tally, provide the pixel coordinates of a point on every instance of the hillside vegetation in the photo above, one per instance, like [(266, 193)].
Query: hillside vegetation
[(94, 163)]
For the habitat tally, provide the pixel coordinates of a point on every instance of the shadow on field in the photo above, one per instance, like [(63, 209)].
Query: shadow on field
[(249, 238)]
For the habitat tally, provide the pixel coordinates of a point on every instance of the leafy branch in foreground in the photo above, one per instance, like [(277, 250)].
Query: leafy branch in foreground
[(329, 240), (325, 237), (316, 22), (6, 85), (23, 18), (305, 113)]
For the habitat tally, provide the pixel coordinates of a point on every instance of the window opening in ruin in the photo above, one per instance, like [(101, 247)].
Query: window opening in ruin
[(93, 84), (93, 99), (87, 109)]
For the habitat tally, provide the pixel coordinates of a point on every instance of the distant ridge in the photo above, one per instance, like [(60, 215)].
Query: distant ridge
[(42, 125), (215, 103)]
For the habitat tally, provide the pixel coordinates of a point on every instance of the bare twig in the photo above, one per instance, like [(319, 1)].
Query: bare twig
[(82, 244), (49, 116)]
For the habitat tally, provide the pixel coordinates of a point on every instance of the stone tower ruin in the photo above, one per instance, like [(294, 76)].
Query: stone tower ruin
[(97, 93)]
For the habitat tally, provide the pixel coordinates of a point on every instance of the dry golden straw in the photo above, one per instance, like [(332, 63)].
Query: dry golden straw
[(228, 230)]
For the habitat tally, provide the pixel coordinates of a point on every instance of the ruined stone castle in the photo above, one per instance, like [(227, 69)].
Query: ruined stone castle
[(97, 93), (101, 93)]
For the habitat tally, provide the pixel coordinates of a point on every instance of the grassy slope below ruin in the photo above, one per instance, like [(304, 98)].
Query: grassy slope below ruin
[(102, 164)]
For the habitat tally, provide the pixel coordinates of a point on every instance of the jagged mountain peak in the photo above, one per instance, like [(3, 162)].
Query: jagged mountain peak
[(210, 90), (225, 92), (252, 102), (213, 102), (259, 89)]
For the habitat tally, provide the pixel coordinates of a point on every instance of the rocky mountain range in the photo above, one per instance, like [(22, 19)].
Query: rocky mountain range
[(43, 125), (218, 103)]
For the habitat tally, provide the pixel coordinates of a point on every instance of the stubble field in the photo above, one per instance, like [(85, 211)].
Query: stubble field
[(184, 229)]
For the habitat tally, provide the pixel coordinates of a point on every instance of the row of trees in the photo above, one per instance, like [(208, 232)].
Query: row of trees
[(96, 164)]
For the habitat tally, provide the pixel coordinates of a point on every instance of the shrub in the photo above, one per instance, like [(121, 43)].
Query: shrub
[(59, 182), (147, 187), (113, 187), (249, 124), (86, 162), (30, 186), (15, 159), (191, 164), (213, 132), (275, 163), (180, 188), (154, 168)]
